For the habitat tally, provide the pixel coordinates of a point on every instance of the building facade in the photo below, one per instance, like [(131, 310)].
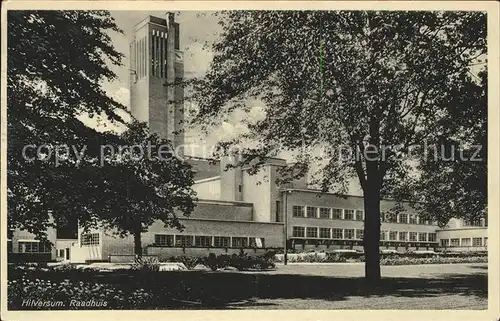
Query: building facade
[(157, 67), (463, 236)]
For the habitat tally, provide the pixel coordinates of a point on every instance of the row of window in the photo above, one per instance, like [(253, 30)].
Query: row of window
[(465, 241), (34, 247), (352, 234), (405, 236), (208, 241), (327, 213), (478, 222), (354, 215)]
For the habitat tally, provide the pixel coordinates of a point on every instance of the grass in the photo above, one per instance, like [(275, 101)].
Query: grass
[(307, 286)]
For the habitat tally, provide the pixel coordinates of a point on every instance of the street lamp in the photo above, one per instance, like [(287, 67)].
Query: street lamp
[(285, 221)]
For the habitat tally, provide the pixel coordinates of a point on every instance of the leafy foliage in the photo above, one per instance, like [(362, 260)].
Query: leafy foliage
[(57, 61), (143, 183), (375, 83), (456, 187)]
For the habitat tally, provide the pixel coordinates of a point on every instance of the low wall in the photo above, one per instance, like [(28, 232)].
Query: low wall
[(167, 252), (464, 249), (126, 258)]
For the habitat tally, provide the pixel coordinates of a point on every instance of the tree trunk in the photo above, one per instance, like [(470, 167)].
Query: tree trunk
[(371, 237), (137, 243)]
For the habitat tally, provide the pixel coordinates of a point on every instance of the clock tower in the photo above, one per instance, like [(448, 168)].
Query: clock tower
[(156, 65)]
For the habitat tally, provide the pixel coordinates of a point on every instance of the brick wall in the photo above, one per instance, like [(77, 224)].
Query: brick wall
[(167, 252), (223, 211), (271, 232)]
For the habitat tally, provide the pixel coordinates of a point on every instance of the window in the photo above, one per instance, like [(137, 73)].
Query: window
[(312, 232), (34, 247), (221, 241), (324, 233), (403, 218), (360, 215), (455, 242), (466, 241), (403, 236), (432, 237), (90, 239), (476, 222), (257, 242), (324, 213), (60, 253), (422, 237), (477, 241), (278, 211), (349, 215), (337, 214), (203, 241), (184, 240), (383, 235), (422, 221), (312, 211), (413, 236), (299, 231), (391, 217), (486, 220), (485, 241), (445, 242), (240, 242), (393, 236), (337, 233), (164, 240), (383, 217), (298, 211), (349, 234), (239, 188), (413, 219), (359, 234)]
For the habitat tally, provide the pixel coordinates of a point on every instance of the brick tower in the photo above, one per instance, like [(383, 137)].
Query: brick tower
[(155, 63)]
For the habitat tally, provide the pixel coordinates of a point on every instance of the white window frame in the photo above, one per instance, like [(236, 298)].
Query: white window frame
[(93, 236)]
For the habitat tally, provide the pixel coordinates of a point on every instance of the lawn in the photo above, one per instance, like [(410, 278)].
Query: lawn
[(431, 287), (295, 286)]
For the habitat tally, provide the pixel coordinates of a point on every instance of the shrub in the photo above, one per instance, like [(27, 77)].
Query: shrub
[(146, 263), (431, 260), (188, 261)]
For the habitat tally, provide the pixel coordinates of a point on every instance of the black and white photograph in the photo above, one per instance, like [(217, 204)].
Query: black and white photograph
[(169, 157)]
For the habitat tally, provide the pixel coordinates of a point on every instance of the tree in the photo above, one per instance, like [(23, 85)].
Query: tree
[(377, 83), (456, 188), (57, 63), (143, 181)]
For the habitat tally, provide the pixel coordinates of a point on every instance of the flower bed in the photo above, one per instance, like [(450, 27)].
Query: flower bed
[(387, 258), (41, 288), (431, 260), (240, 262)]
